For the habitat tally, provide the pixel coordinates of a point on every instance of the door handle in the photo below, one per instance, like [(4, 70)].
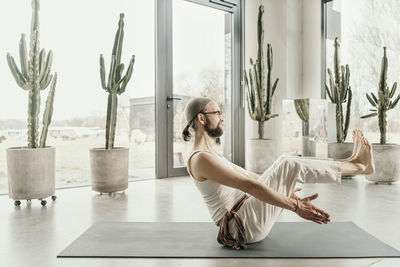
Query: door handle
[(170, 98)]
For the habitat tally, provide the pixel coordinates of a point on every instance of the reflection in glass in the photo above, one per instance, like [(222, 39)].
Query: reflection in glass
[(305, 139)]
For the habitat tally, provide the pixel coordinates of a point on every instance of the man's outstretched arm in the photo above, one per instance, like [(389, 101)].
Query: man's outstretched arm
[(206, 166)]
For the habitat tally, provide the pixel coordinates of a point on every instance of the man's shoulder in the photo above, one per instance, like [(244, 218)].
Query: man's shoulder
[(202, 155)]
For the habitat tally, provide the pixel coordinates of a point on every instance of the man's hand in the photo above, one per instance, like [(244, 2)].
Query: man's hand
[(294, 196), (308, 211)]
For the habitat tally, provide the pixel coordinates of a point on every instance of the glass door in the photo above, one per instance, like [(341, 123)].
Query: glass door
[(199, 61)]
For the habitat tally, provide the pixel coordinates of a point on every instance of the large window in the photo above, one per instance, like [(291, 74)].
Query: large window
[(77, 32), (364, 27)]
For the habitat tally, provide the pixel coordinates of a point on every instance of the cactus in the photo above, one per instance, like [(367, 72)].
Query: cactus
[(34, 76), (302, 107), (260, 90), (116, 81), (383, 102), (340, 93)]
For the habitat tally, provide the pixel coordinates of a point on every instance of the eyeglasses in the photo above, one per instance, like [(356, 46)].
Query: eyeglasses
[(219, 112)]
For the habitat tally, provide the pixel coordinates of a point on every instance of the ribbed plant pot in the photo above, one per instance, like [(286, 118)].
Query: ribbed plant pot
[(260, 154), (308, 146), (31, 172), (387, 163), (109, 169), (340, 150)]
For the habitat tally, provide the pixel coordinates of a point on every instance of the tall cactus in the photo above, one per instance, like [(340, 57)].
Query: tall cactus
[(260, 89), (34, 76), (383, 102), (302, 107), (116, 81), (340, 93)]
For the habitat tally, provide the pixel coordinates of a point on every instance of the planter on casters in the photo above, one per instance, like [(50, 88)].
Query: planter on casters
[(31, 173), (109, 169)]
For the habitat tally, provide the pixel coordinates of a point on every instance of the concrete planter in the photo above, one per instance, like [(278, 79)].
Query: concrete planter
[(109, 169), (31, 173), (260, 154), (387, 163), (340, 150)]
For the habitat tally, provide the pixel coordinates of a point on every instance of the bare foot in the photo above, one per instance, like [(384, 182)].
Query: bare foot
[(360, 137), (355, 145), (364, 159), (357, 136)]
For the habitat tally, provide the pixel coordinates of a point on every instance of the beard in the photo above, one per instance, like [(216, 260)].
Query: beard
[(215, 133)]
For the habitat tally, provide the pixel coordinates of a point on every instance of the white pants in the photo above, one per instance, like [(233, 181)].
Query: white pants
[(259, 217)]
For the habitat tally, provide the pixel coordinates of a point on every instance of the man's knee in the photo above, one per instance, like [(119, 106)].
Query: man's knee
[(288, 162), (277, 163), (281, 158), (284, 159)]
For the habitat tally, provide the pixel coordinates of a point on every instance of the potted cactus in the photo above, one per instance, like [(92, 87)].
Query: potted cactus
[(386, 156), (339, 92), (109, 165), (302, 107), (31, 169), (261, 152)]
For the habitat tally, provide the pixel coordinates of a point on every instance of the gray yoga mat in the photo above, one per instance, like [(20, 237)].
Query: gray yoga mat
[(198, 240)]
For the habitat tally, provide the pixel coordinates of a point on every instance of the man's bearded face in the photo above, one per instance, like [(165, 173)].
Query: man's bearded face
[(216, 132)]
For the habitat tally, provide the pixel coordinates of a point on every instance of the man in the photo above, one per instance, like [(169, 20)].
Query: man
[(245, 205)]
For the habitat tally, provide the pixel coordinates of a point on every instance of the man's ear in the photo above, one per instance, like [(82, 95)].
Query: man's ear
[(201, 119)]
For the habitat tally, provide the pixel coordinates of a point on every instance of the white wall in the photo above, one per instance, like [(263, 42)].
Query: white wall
[(312, 48), (294, 56), (293, 27), (275, 34)]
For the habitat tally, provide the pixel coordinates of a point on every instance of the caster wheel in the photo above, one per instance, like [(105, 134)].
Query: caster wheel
[(101, 193), (390, 183), (53, 198), (17, 203), (28, 200), (43, 202)]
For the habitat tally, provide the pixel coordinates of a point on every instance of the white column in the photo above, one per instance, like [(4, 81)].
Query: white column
[(311, 49)]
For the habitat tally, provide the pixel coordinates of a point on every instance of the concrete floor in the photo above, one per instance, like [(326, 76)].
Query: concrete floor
[(32, 235)]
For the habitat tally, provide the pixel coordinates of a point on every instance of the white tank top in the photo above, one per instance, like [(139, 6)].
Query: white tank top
[(218, 198)]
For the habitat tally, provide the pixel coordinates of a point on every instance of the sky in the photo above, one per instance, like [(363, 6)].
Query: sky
[(78, 31)]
